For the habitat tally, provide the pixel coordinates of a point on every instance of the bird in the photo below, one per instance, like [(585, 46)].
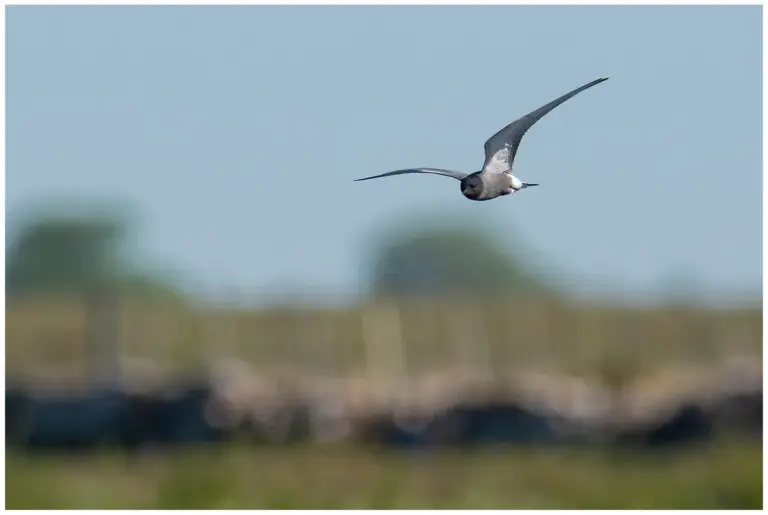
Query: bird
[(495, 179)]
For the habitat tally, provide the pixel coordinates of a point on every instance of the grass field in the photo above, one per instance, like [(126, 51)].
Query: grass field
[(724, 475), (390, 340), (386, 338)]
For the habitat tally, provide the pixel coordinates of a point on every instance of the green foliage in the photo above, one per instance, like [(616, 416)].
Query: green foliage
[(725, 475), (60, 252), (63, 254), (449, 259), (614, 344)]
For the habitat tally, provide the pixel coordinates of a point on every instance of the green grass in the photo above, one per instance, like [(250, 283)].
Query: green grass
[(722, 476), (42, 335), (615, 344)]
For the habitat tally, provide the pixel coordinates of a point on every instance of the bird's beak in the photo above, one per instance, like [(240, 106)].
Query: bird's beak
[(529, 184)]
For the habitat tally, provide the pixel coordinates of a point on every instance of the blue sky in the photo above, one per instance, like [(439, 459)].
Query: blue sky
[(235, 133)]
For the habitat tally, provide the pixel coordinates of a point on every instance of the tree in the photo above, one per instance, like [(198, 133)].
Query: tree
[(60, 252), (445, 259), (63, 254)]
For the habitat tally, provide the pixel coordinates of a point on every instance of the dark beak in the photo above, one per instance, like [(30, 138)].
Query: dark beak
[(529, 184)]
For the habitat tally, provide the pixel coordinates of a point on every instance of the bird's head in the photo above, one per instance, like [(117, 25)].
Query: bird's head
[(472, 187)]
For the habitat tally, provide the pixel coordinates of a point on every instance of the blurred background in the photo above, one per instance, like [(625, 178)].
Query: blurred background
[(204, 311)]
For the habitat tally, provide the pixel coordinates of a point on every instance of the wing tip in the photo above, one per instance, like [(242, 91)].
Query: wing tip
[(597, 81)]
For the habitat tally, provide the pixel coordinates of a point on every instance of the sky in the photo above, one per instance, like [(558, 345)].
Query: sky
[(235, 134)]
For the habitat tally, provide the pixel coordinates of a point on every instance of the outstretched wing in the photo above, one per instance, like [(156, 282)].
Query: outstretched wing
[(501, 148), (435, 171)]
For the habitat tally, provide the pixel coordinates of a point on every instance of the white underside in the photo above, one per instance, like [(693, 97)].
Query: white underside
[(517, 184), (499, 163)]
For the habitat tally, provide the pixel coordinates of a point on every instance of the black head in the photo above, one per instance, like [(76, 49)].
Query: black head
[(472, 186)]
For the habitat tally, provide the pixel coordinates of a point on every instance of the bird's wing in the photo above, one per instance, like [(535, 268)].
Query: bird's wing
[(435, 171), (501, 148)]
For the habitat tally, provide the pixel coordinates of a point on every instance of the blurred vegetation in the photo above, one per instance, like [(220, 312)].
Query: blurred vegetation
[(429, 335), (449, 257), (59, 254), (74, 251), (484, 304), (723, 476), (487, 308)]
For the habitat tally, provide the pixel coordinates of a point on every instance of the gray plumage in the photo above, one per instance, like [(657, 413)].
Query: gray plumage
[(495, 179)]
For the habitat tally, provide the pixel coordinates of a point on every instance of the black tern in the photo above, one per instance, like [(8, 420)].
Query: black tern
[(496, 178)]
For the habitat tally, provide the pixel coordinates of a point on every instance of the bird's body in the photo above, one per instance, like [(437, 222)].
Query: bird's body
[(495, 179), (479, 186)]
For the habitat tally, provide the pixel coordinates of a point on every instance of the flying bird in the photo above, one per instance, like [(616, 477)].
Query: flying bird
[(495, 179)]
